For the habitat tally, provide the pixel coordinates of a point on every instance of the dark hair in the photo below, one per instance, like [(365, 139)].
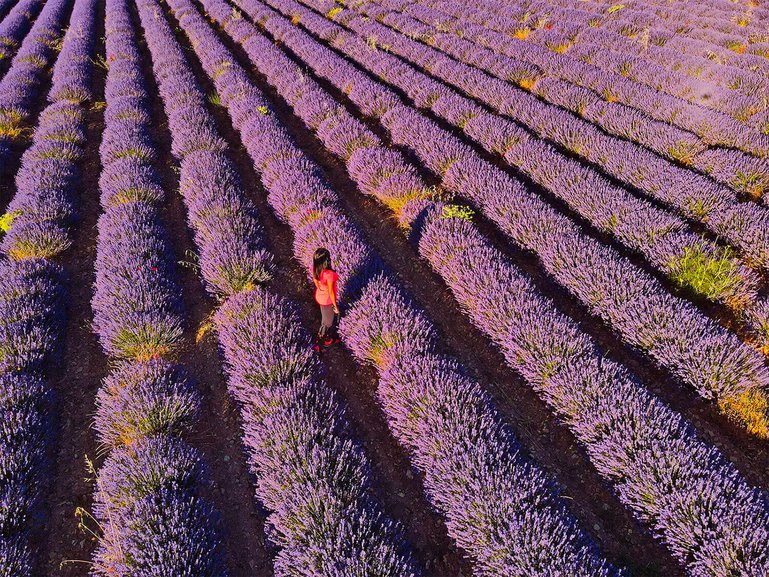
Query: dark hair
[(321, 261)]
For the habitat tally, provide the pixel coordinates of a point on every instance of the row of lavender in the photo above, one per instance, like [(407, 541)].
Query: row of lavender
[(149, 492), (648, 172), (731, 36), (637, 35), (432, 408), (677, 335), (665, 240), (32, 287), (728, 35), (18, 88), (311, 474), (718, 17), (631, 437), (485, 26), (15, 25), (744, 225)]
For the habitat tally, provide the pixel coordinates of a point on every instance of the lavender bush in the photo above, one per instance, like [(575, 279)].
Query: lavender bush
[(16, 24)]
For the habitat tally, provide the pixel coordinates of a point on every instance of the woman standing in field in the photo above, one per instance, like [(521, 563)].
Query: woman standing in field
[(325, 279)]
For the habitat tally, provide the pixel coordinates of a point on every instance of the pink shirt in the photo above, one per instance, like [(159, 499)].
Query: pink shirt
[(322, 296)]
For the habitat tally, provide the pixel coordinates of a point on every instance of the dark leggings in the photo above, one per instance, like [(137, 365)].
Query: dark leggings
[(327, 319)]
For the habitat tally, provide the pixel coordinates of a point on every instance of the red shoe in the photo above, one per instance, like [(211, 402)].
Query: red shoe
[(328, 341)]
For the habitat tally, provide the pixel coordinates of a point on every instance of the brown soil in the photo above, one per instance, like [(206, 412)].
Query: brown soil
[(550, 444), (750, 454), (399, 487), (218, 432), (69, 548)]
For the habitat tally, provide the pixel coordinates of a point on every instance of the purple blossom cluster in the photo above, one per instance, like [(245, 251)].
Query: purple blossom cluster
[(310, 473), (652, 457), (672, 331), (32, 287), (15, 25), (18, 86), (148, 497)]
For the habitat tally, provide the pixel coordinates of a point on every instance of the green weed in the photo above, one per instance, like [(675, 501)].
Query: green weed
[(714, 276), (457, 211)]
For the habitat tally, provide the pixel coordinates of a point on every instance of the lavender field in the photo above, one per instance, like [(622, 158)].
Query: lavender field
[(550, 221)]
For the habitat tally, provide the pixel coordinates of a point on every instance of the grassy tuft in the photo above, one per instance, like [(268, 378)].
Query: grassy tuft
[(527, 83), (215, 99), (682, 153), (457, 211), (522, 33), (715, 277), (751, 183), (750, 410), (7, 220), (11, 130), (146, 342)]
